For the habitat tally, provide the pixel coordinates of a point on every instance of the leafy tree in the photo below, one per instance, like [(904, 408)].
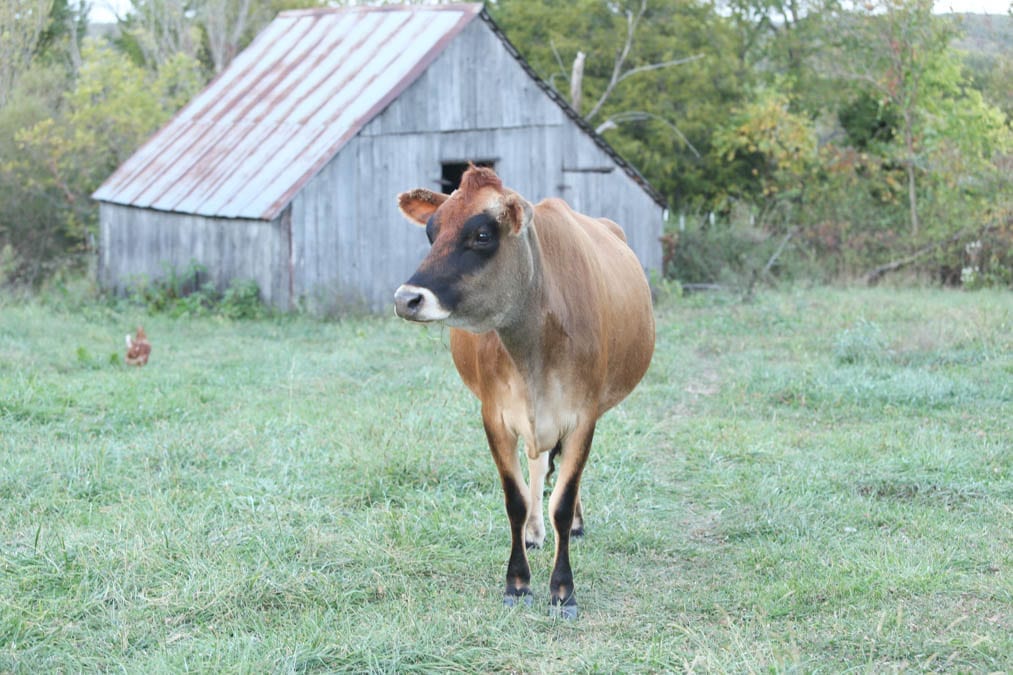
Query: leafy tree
[(67, 27), (156, 30), (59, 160), (896, 48), (783, 142), (22, 27), (780, 40), (946, 136), (867, 123), (213, 31), (661, 118), (28, 244)]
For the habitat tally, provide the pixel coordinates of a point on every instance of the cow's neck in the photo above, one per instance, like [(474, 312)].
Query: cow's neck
[(524, 334)]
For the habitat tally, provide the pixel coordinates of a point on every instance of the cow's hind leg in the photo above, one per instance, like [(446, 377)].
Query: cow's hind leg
[(503, 445), (563, 507), (577, 527), (535, 530)]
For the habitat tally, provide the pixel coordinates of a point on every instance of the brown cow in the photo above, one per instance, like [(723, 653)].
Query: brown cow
[(552, 326)]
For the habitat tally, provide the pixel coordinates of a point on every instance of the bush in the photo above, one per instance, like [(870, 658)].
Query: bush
[(192, 293), (738, 250)]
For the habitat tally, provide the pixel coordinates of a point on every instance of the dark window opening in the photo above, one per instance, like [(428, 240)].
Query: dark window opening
[(450, 179)]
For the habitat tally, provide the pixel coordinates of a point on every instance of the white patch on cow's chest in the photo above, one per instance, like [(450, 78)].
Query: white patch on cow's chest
[(542, 419)]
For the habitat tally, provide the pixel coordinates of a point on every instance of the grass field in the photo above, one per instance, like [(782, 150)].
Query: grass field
[(817, 481)]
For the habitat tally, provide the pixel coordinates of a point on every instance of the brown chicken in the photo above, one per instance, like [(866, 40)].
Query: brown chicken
[(138, 348)]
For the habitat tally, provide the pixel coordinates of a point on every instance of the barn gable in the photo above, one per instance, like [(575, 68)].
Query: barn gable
[(331, 234)]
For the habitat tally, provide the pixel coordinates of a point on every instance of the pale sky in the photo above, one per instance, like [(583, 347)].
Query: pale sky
[(973, 6), (106, 10)]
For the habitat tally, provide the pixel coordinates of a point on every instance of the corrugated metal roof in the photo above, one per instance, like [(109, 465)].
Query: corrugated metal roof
[(247, 144), (284, 107)]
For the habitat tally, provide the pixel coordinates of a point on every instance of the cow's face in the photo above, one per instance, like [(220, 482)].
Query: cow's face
[(480, 260)]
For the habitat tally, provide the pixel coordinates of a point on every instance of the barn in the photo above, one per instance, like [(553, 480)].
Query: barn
[(286, 168)]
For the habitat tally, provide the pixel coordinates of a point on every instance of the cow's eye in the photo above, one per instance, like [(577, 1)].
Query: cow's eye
[(483, 237)]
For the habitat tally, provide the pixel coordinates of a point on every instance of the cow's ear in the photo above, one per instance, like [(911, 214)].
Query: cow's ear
[(418, 204), (517, 212)]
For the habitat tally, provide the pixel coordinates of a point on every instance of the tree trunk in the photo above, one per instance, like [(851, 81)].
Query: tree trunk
[(912, 193), (577, 81), (912, 197)]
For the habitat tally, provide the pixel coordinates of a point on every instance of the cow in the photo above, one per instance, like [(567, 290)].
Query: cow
[(551, 325)]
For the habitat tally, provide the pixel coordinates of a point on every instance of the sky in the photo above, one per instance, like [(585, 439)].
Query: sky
[(106, 10)]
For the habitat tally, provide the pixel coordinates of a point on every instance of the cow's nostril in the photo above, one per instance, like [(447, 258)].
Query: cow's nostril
[(408, 302)]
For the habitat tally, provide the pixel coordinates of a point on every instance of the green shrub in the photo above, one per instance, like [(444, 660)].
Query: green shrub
[(241, 300), (193, 294)]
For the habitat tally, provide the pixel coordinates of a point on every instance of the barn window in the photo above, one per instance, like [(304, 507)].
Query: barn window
[(450, 178)]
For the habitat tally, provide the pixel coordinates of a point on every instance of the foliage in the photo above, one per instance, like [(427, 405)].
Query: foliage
[(57, 161), (29, 227), (663, 118), (191, 293), (211, 31), (290, 495), (899, 52), (22, 26), (782, 142)]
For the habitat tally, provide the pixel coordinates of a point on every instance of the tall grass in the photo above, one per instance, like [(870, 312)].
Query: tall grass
[(816, 481)]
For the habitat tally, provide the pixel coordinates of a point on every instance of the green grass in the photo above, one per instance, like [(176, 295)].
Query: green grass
[(819, 481)]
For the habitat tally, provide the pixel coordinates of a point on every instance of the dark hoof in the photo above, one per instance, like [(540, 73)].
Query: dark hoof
[(564, 612), (531, 545), (511, 600), (577, 532)]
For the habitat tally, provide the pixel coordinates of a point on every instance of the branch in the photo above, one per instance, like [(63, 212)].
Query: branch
[(657, 66), (874, 275), (631, 28), (639, 115), (779, 251), (559, 62)]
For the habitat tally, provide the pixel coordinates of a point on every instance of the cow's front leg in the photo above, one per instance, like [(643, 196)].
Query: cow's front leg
[(535, 529), (503, 445), (562, 507)]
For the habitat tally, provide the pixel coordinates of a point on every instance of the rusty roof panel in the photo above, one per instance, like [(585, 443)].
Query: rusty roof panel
[(244, 146)]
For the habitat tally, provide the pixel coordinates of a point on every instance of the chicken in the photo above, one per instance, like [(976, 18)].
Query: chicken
[(138, 348)]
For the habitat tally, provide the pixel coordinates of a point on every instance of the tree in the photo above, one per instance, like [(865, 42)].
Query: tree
[(897, 47), (157, 30), (657, 114), (22, 24), (783, 142), (59, 160), (225, 23), (212, 30)]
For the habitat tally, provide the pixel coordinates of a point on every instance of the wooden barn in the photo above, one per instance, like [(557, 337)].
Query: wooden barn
[(286, 168)]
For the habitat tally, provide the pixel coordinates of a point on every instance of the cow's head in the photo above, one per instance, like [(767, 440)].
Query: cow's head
[(481, 258)]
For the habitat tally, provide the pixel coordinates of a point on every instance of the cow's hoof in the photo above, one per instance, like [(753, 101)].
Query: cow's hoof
[(511, 600), (577, 531), (532, 544), (564, 612)]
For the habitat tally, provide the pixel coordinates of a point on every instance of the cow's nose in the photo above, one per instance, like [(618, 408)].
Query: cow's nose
[(408, 301)]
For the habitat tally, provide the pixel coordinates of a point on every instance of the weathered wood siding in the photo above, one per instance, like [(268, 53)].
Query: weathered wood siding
[(351, 247), (138, 244)]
